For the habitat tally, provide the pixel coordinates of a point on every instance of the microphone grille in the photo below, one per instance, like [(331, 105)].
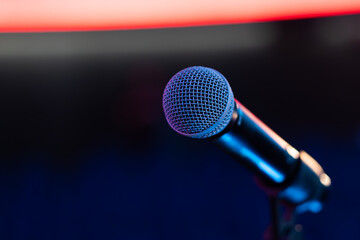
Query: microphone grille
[(198, 102)]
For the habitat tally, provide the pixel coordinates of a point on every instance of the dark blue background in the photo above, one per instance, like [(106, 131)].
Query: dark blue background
[(86, 152)]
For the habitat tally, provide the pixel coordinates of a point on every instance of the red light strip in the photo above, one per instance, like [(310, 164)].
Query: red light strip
[(81, 15)]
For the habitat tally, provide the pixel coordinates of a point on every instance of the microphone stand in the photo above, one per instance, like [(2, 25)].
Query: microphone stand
[(282, 226)]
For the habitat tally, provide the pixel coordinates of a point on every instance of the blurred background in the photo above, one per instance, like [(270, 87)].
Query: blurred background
[(86, 153)]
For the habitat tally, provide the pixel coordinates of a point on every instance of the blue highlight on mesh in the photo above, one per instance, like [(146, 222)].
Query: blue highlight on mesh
[(242, 149), (198, 102)]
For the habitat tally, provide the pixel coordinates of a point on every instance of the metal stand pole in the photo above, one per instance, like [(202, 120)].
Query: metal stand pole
[(282, 226)]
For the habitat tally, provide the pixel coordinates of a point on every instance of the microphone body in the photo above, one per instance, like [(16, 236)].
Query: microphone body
[(198, 102), (280, 169)]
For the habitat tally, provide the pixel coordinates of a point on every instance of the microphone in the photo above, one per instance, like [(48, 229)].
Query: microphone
[(198, 102)]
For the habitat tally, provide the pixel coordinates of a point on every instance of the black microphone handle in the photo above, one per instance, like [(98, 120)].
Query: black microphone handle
[(294, 176)]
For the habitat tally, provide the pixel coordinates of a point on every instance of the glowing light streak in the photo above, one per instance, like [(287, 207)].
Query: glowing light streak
[(80, 15)]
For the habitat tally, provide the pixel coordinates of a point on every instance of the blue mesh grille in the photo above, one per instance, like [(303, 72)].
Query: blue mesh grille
[(198, 102)]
